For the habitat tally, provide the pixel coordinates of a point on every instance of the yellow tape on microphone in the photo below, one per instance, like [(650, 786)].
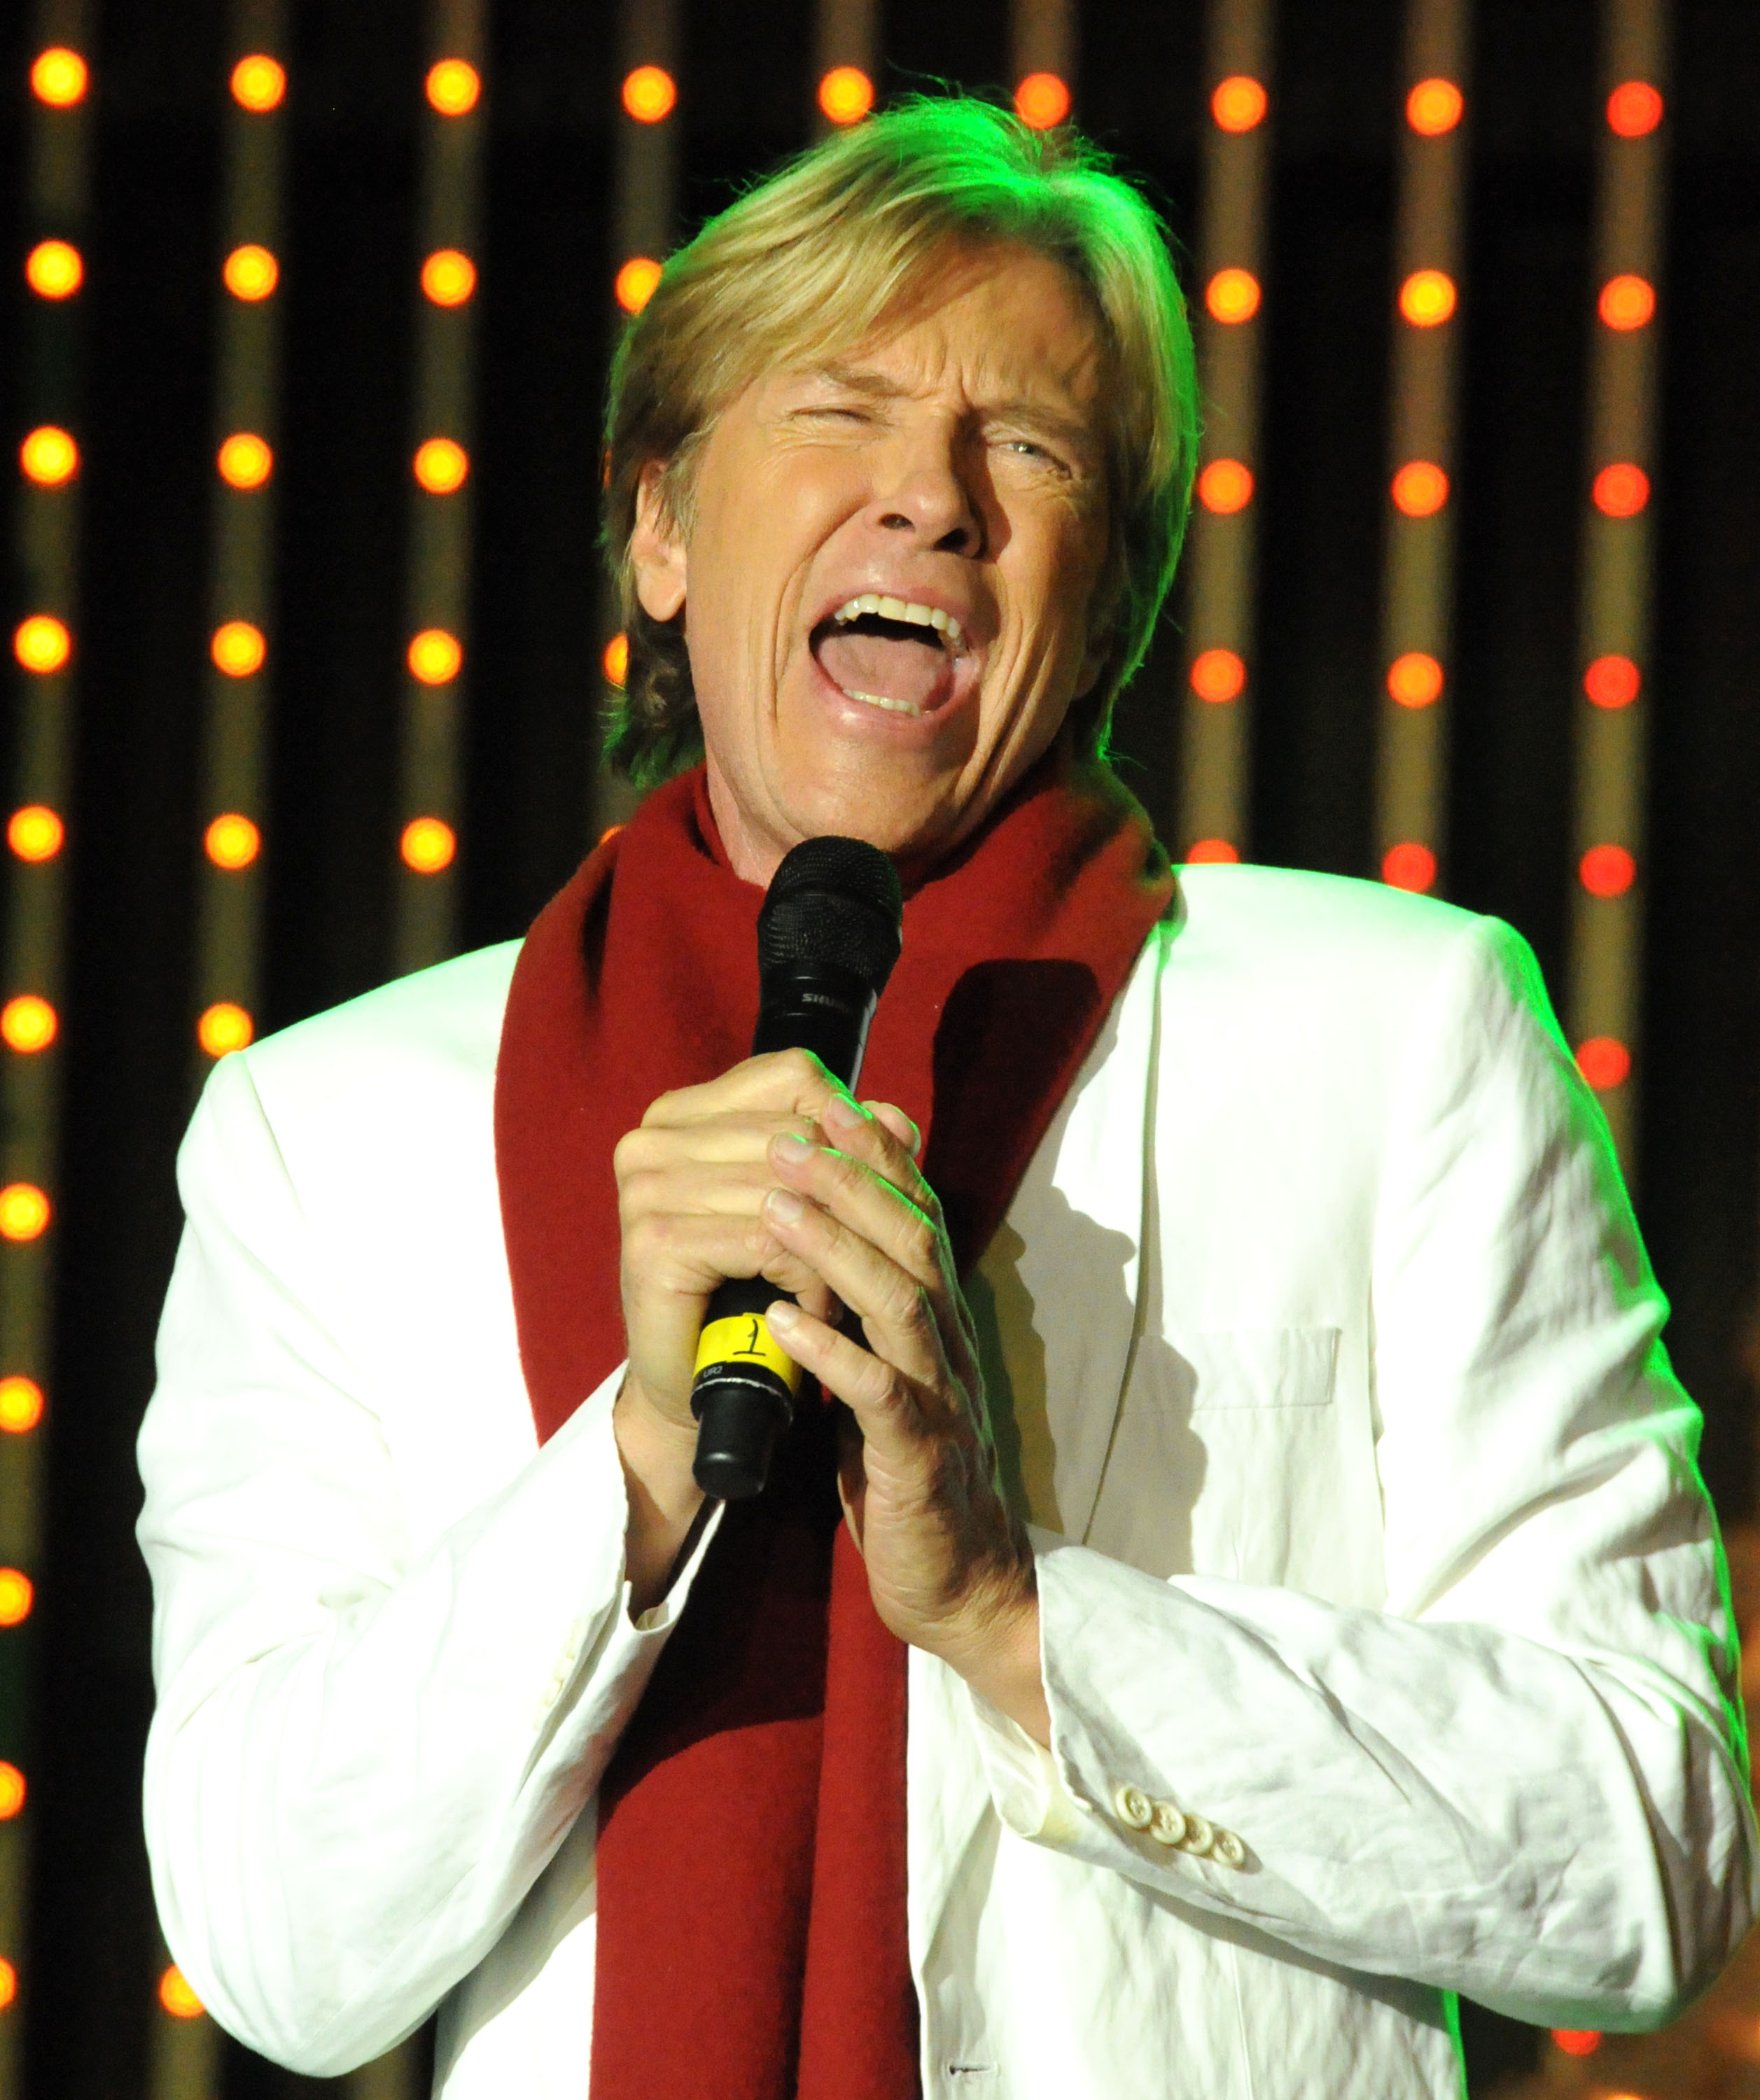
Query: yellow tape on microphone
[(746, 1338)]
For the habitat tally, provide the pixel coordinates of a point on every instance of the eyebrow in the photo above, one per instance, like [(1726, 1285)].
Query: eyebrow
[(876, 386)]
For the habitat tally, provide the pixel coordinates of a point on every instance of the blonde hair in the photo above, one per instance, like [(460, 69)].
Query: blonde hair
[(817, 259)]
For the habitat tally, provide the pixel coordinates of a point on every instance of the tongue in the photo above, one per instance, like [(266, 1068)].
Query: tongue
[(916, 672)]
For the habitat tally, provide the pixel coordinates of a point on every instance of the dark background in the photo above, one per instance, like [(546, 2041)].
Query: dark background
[(350, 258)]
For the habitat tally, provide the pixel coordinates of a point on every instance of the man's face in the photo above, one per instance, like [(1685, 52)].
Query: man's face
[(890, 569)]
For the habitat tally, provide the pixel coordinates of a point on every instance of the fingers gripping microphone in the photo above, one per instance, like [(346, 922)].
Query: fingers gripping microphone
[(828, 935)]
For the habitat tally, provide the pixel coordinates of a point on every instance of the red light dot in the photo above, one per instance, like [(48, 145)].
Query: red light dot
[(1622, 490), (1211, 853), (1607, 870), (1634, 109), (1231, 296), (1225, 485), (1420, 488), (1605, 1062), (1612, 682), (1408, 866), (1626, 302), (1238, 104), (1217, 675), (1041, 101), (1576, 2042), (1414, 680), (650, 94), (1434, 106)]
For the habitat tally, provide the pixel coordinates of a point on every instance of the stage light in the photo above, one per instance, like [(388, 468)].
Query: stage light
[(21, 1404), (1225, 485), (448, 277), (453, 86), (17, 1595), (1211, 852), (1626, 302), (251, 272), (258, 83), (650, 94), (59, 77), (1605, 1062), (1634, 109), (1621, 491), (1607, 870), (1217, 675), (616, 659), (11, 1790), (1237, 103), (1041, 101), (1414, 680), (42, 643), (1231, 296), (636, 282), (1612, 682), (245, 459), (1420, 488), (54, 270), (1408, 866), (28, 1022), (428, 845), (49, 455), (1434, 106), (177, 1997), (238, 648), (35, 833), (231, 841), (1426, 297), (441, 466), (434, 656), (224, 1028), (846, 94), (8, 1983)]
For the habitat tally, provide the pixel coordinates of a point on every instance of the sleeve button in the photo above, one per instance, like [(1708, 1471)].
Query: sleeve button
[(1135, 1811), (1199, 1835), (1167, 1826), (1228, 1849)]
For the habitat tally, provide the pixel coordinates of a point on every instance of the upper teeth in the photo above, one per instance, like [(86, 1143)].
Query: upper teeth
[(898, 608)]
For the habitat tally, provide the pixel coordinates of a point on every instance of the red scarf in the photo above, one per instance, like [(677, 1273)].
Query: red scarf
[(752, 1935)]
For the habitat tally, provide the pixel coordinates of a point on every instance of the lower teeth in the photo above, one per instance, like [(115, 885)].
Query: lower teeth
[(880, 701)]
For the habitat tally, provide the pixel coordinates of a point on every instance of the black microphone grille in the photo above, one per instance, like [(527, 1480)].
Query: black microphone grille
[(834, 900)]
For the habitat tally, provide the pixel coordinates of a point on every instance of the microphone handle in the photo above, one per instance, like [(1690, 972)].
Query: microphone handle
[(744, 1392)]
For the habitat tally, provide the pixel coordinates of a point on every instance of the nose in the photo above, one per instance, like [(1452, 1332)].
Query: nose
[(924, 492)]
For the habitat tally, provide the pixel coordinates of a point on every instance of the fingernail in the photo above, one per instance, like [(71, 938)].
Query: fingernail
[(782, 1316), (840, 1108), (791, 1147), (784, 1204)]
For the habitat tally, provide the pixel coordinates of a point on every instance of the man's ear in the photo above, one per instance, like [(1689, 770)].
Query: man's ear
[(656, 549)]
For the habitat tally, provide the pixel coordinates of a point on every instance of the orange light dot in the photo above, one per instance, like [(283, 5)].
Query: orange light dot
[(245, 460), (1231, 296), (650, 93), (434, 656), (251, 272), (1408, 866), (54, 269), (1237, 103), (17, 1595), (28, 1022), (1041, 101), (238, 648), (1414, 680), (846, 94), (59, 77), (224, 1028), (1612, 682), (8, 1983), (1626, 302), (1634, 109), (34, 832), (1217, 674), (177, 1997), (42, 643), (428, 845), (1605, 1062), (1576, 2042), (231, 841), (453, 86), (49, 455), (25, 1212), (635, 283), (258, 83), (1434, 106), (1420, 488), (11, 1790), (1622, 490), (1207, 852), (1225, 485), (448, 277), (21, 1405), (1607, 870), (441, 466), (1426, 297), (616, 659)]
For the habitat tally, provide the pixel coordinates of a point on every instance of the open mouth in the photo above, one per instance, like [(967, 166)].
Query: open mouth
[(890, 653)]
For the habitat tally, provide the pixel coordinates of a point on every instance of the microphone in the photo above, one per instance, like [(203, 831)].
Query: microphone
[(829, 933)]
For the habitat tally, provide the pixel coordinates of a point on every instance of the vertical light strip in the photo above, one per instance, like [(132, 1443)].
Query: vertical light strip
[(57, 156), (1606, 939), (846, 45), (431, 786), (1042, 54), (1221, 557), (1418, 582)]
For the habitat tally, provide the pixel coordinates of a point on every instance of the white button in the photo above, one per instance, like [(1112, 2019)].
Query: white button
[(1199, 1835), (1136, 1811), (1228, 1849), (1168, 1825)]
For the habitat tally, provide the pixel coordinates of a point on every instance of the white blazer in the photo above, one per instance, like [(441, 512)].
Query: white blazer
[(1323, 1356)]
